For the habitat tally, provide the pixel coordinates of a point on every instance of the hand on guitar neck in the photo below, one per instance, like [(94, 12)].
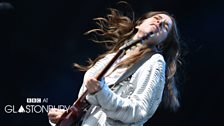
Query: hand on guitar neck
[(93, 85)]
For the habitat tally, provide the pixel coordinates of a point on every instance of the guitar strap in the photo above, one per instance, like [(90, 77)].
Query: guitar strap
[(133, 68)]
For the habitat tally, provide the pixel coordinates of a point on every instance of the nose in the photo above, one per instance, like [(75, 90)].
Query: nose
[(159, 22)]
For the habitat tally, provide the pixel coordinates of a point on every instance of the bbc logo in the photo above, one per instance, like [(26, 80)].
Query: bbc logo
[(33, 100)]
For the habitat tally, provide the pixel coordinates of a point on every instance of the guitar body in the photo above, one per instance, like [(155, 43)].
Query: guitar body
[(72, 117)]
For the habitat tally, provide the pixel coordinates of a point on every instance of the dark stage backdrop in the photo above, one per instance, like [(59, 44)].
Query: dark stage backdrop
[(41, 39)]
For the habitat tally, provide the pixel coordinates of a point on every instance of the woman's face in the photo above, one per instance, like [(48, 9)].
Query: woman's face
[(160, 25)]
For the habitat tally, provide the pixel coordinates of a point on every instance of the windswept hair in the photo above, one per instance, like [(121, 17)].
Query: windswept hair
[(115, 29)]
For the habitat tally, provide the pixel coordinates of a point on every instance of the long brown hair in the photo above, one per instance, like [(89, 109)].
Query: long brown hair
[(115, 29)]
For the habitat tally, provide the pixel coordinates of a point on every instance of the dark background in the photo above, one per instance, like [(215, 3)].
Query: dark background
[(41, 39)]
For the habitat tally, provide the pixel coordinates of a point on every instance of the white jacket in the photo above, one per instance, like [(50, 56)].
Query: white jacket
[(125, 107)]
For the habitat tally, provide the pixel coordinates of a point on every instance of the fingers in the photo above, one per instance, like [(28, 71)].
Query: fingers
[(92, 85), (54, 114), (55, 119)]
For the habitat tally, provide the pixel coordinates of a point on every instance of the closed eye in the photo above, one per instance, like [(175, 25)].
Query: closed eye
[(166, 25), (156, 18)]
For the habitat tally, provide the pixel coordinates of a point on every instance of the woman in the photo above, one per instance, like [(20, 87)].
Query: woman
[(151, 83)]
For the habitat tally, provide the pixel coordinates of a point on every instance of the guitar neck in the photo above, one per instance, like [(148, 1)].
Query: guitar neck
[(108, 66), (100, 75), (76, 111)]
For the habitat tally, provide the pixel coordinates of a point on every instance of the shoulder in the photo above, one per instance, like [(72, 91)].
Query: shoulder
[(110, 55), (106, 58), (153, 68), (156, 58), (156, 61)]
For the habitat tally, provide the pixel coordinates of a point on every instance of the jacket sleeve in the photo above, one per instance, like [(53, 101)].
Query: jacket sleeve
[(142, 104), (93, 71)]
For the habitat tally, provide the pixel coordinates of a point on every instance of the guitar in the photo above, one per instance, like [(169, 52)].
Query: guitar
[(73, 115)]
